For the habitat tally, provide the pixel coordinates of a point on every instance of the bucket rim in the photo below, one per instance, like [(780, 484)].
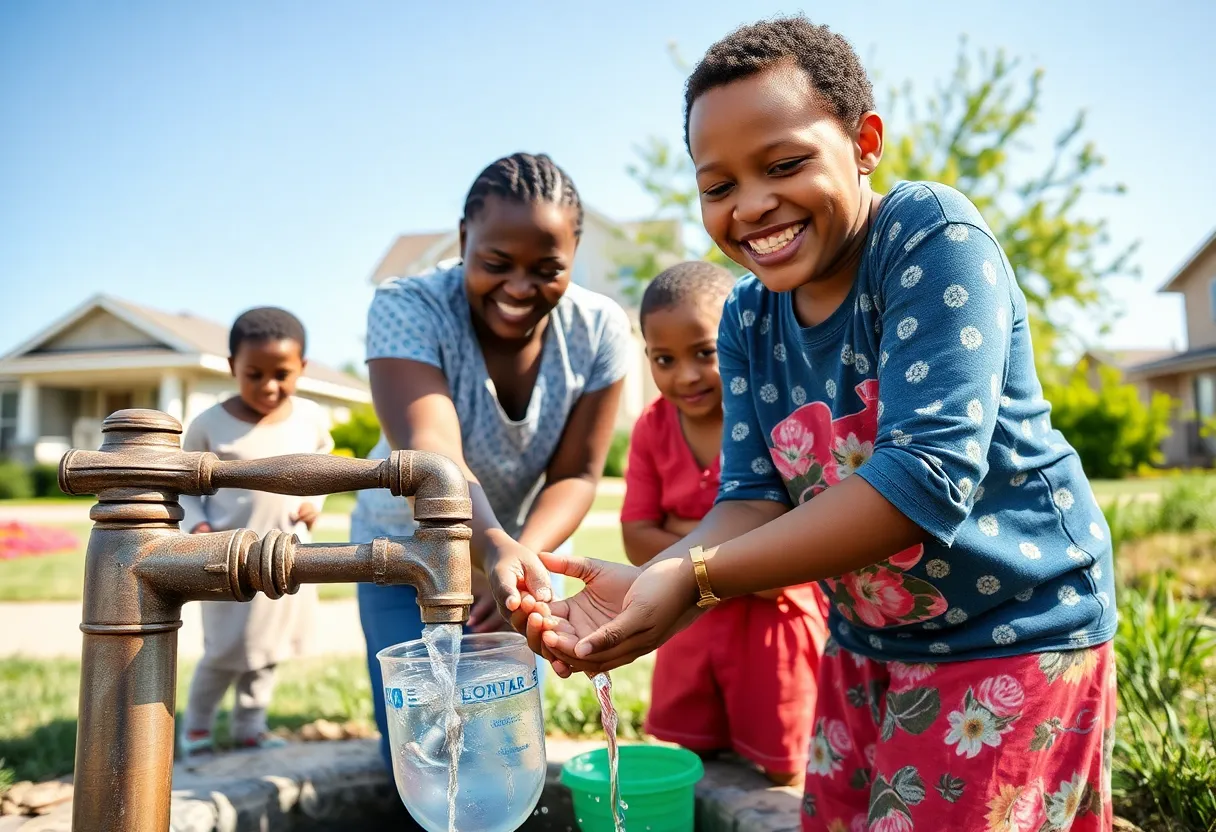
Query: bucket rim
[(572, 778)]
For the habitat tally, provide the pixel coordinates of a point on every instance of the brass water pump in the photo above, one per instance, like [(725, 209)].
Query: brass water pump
[(140, 569)]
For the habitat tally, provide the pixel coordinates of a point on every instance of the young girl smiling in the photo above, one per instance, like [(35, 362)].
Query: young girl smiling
[(887, 436)]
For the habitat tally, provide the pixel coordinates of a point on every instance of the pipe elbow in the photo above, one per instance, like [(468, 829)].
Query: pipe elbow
[(438, 486), (435, 561)]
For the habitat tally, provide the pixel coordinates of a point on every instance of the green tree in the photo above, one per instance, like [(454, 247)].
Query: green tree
[(974, 132), (359, 434), (1114, 432)]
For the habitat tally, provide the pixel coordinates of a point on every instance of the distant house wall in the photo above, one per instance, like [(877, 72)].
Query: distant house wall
[(1197, 290), (60, 408), (204, 391), (1175, 449)]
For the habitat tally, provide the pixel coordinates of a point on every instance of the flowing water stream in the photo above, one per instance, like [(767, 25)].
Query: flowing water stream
[(608, 718), (443, 648)]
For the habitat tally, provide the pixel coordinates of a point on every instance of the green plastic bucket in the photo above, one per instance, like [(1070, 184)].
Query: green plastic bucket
[(656, 781)]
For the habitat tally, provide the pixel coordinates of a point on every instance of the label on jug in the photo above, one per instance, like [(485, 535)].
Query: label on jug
[(499, 688), (487, 691)]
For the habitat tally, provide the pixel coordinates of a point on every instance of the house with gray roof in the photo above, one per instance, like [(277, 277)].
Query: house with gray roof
[(109, 354)]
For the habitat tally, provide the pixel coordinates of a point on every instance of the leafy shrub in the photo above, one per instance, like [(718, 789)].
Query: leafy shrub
[(358, 435), (46, 481), (571, 707), (1128, 521), (1165, 755), (1114, 432), (1185, 507), (1189, 506), (618, 453), (15, 481)]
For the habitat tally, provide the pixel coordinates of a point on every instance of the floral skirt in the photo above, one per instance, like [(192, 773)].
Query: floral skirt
[(1019, 744)]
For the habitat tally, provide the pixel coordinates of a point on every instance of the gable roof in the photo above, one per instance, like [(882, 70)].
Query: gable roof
[(1203, 358), (1187, 269), (411, 253), (182, 332), (200, 333), (1125, 359), (407, 250)]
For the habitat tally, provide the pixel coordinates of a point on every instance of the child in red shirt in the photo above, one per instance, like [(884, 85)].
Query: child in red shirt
[(743, 676)]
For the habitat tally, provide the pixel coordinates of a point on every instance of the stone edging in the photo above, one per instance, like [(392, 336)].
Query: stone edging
[(342, 785)]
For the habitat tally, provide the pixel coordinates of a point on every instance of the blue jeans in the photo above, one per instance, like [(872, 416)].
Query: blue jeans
[(390, 615)]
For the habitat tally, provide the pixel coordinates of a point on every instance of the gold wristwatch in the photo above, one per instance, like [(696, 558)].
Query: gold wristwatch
[(708, 599)]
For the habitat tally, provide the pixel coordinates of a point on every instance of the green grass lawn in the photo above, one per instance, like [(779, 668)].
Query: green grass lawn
[(48, 501), (340, 503), (61, 577), (38, 706), (48, 577), (603, 543), (607, 502), (1140, 487), (38, 698)]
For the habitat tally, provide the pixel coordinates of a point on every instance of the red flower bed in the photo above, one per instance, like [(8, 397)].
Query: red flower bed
[(18, 540)]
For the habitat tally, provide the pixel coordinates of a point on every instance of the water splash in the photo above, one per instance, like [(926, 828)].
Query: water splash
[(608, 718), (443, 649)]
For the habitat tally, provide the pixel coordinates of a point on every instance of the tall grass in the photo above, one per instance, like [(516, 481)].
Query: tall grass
[(1186, 507), (571, 707), (1165, 754)]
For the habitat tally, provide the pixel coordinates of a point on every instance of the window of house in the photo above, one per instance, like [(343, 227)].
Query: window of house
[(1205, 396), (8, 420)]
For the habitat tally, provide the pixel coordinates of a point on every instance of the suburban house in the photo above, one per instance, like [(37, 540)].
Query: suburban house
[(1189, 377), (108, 354), (606, 253), (1122, 360)]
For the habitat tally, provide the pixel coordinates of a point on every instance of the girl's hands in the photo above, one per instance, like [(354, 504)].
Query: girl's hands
[(622, 613), (595, 605), (515, 573)]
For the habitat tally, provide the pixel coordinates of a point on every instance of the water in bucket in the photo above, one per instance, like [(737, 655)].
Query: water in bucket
[(487, 771)]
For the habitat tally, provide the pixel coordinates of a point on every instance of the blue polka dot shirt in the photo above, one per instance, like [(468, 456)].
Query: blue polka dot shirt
[(587, 347), (923, 384)]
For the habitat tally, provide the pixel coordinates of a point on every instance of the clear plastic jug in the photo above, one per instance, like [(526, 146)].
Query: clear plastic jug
[(501, 769)]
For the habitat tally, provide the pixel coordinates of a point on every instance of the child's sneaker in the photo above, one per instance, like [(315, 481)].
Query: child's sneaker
[(196, 743), (262, 740)]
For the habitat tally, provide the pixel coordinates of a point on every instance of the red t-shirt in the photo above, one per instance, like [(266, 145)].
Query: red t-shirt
[(663, 477)]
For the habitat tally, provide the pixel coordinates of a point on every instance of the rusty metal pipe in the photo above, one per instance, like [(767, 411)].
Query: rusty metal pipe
[(429, 561), (140, 569), (125, 735)]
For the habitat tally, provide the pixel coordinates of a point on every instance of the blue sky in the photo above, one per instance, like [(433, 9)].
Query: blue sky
[(215, 156)]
